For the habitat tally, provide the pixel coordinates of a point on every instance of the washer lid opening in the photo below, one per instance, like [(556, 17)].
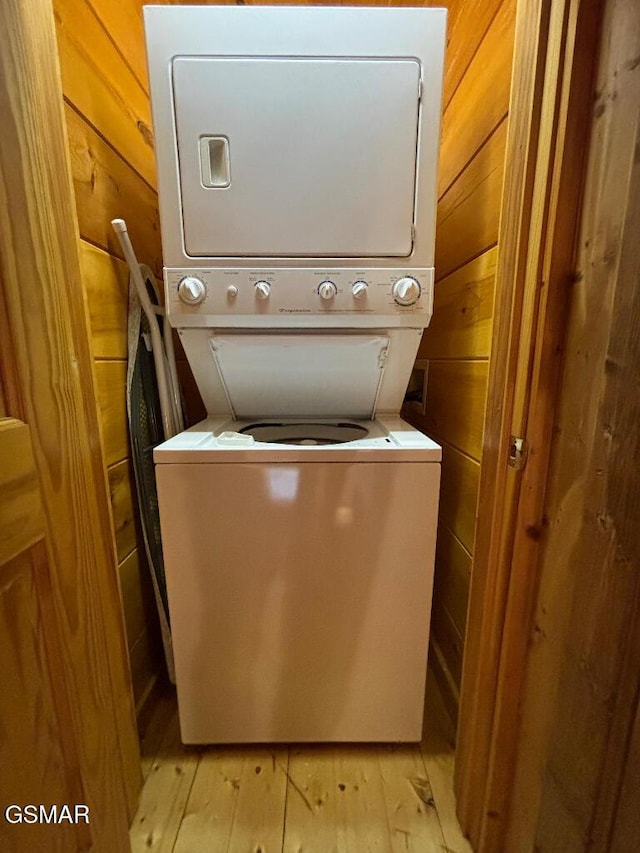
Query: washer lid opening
[(301, 375), (307, 433)]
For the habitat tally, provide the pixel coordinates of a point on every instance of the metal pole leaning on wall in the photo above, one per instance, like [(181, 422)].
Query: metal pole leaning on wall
[(167, 386)]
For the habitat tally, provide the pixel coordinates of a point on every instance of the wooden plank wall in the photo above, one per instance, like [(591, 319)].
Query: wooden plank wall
[(48, 380), (457, 343), (576, 780), (102, 59)]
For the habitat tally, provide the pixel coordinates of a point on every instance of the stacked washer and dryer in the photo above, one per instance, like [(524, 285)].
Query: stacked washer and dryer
[(297, 151)]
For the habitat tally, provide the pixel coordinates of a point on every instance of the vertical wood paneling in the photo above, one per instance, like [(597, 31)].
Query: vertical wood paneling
[(102, 87), (462, 312), (102, 55), (551, 103), (452, 579), (450, 642), (456, 396), (144, 655), (457, 345), (133, 586), (482, 99), (123, 23), (21, 519), (106, 281), (459, 494), (120, 490), (469, 212), (107, 188), (579, 732), (3, 403), (53, 390), (467, 27), (30, 719), (626, 829), (110, 381)]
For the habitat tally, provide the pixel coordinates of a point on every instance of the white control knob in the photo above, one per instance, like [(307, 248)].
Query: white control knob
[(327, 290), (191, 290), (359, 289), (406, 290), (232, 291), (263, 289)]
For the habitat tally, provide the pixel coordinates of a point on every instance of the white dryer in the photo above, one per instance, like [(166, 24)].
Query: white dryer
[(297, 151)]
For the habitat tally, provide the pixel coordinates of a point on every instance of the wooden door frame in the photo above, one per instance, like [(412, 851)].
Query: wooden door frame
[(551, 98), (47, 380)]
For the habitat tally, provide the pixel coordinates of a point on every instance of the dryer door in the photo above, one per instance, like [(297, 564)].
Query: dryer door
[(296, 157)]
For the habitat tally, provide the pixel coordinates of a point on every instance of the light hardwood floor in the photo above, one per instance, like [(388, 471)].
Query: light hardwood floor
[(297, 799)]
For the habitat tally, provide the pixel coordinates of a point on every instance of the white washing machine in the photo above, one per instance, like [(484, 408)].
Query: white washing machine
[(297, 152)]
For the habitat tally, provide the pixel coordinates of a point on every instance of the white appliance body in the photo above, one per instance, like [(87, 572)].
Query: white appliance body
[(300, 583), (297, 146), (297, 151)]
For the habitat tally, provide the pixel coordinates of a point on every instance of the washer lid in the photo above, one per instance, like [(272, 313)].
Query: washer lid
[(304, 376), (297, 157), (303, 433)]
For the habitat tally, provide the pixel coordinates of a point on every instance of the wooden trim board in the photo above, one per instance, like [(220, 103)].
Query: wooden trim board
[(551, 90), (52, 390)]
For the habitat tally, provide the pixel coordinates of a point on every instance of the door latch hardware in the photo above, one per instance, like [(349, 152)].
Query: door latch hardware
[(517, 452)]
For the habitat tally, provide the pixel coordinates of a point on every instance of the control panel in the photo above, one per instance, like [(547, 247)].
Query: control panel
[(301, 297)]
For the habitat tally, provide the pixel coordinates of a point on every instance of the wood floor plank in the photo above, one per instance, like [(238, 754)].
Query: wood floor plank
[(411, 813), (164, 796), (438, 756), (164, 717), (210, 810), (312, 794), (237, 801), (336, 801), (362, 812), (306, 799), (258, 824)]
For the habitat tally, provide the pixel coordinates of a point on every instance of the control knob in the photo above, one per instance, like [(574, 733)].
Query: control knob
[(191, 290), (263, 289), (406, 290), (327, 290), (359, 289)]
